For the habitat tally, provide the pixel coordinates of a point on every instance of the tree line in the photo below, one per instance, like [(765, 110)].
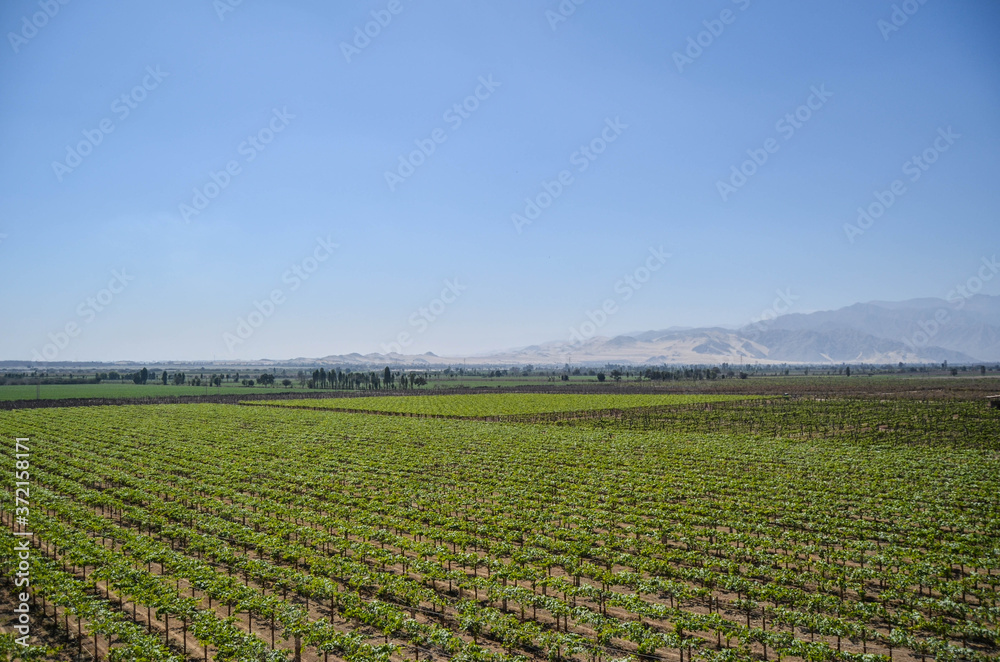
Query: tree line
[(368, 381)]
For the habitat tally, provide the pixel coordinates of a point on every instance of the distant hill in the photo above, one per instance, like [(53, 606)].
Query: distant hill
[(914, 331), (877, 332), (969, 327)]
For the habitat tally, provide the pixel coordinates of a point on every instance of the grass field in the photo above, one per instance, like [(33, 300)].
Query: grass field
[(833, 530)]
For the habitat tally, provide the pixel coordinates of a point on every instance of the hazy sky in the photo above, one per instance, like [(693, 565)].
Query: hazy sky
[(370, 177)]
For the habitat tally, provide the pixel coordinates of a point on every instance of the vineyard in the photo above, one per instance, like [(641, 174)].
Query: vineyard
[(499, 405), (656, 527), (890, 422)]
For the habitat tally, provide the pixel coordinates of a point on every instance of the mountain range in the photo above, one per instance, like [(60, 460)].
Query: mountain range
[(963, 330)]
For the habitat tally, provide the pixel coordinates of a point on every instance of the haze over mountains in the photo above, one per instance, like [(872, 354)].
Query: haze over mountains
[(961, 330)]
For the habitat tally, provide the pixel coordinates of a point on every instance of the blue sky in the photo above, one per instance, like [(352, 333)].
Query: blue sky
[(328, 122)]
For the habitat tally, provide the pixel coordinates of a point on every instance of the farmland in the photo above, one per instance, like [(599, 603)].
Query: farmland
[(655, 527), (501, 404), (113, 390), (896, 385)]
